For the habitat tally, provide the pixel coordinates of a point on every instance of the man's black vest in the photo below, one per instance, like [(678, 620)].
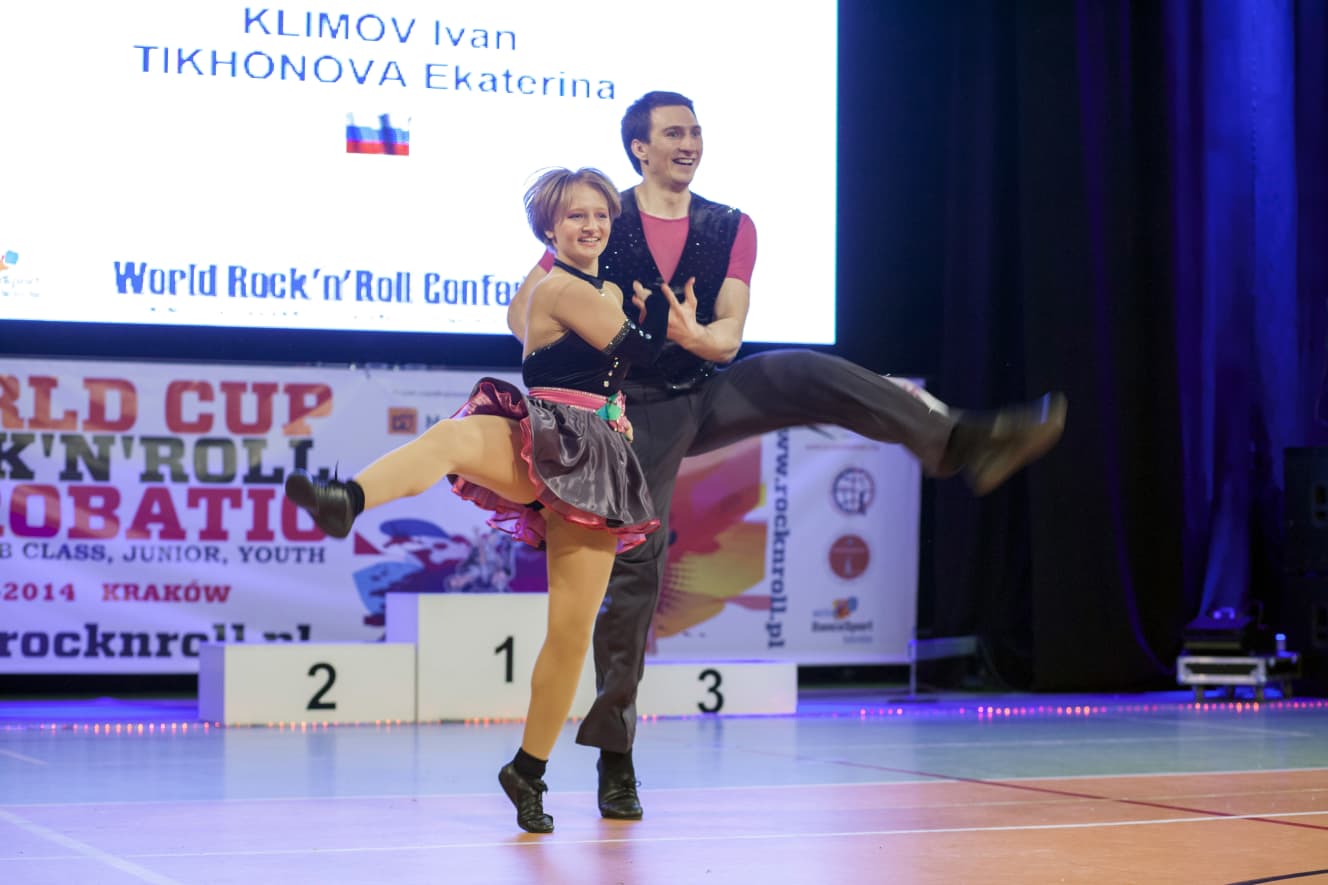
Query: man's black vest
[(712, 228)]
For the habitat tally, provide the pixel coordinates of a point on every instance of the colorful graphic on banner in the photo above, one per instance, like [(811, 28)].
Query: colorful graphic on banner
[(142, 515), (716, 552)]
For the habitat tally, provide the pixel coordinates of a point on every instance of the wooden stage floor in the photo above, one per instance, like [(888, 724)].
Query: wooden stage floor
[(856, 788)]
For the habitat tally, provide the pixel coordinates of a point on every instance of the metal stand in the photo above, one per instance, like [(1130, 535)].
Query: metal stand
[(1229, 671)]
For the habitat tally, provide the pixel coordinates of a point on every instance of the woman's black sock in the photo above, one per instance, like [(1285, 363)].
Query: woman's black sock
[(528, 766)]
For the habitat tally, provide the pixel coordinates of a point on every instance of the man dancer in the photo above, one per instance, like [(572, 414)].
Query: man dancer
[(703, 253)]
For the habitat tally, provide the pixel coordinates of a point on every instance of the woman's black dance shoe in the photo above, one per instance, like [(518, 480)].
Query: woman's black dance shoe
[(327, 501), (528, 797)]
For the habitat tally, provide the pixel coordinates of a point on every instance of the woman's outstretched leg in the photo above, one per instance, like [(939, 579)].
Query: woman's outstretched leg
[(579, 562), (485, 449)]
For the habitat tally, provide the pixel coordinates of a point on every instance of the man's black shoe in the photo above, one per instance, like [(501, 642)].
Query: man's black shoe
[(328, 502), (528, 797), (1018, 437), (617, 792)]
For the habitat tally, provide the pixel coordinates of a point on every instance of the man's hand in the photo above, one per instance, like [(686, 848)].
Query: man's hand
[(720, 339), (639, 295), (684, 330)]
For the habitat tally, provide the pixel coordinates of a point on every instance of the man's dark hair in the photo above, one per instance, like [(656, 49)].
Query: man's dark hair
[(636, 122)]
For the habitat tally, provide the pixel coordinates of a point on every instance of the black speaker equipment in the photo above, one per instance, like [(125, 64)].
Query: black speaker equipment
[(1302, 609), (1303, 616), (1305, 506)]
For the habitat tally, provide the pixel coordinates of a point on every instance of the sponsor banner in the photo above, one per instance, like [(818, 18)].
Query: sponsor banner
[(801, 545), (142, 515)]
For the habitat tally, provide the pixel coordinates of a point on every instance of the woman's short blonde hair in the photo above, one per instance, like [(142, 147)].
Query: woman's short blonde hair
[(548, 196)]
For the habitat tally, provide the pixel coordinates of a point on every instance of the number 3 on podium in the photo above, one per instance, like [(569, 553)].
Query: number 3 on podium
[(712, 689)]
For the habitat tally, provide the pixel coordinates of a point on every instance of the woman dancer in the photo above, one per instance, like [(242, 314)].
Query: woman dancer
[(554, 465)]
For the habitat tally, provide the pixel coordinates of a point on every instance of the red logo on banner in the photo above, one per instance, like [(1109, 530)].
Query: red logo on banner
[(403, 420), (849, 556)]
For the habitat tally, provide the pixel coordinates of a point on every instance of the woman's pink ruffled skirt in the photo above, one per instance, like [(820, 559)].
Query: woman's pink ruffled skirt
[(582, 469)]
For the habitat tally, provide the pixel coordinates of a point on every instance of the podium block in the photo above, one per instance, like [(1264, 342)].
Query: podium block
[(475, 652), (342, 682), (718, 687)]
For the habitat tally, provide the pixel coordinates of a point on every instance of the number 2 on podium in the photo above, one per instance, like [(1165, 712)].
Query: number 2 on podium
[(316, 702)]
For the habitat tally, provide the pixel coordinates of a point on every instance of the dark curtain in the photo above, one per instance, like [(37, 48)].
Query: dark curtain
[(1135, 214)]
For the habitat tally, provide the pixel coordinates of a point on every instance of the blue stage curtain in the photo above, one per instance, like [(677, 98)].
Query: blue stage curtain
[(1136, 196)]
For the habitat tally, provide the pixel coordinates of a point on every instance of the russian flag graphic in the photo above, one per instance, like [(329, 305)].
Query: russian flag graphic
[(382, 138)]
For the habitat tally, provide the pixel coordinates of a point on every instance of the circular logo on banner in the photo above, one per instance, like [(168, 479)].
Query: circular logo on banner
[(849, 556), (853, 490)]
